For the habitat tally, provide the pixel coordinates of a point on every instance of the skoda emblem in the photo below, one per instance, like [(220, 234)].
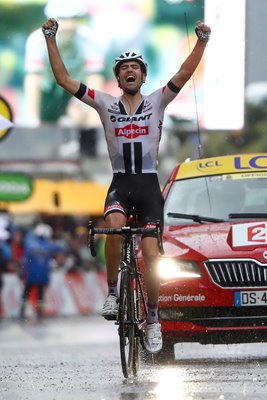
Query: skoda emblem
[(265, 255)]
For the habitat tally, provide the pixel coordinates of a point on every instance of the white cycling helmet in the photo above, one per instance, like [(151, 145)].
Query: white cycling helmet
[(43, 230), (4, 234), (128, 56), (65, 9)]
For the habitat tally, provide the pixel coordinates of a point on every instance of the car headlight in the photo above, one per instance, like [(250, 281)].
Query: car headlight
[(171, 268)]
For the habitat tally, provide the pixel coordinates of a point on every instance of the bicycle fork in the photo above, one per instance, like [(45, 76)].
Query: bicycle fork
[(139, 302)]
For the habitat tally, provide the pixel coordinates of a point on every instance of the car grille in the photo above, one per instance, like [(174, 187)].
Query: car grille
[(237, 273)]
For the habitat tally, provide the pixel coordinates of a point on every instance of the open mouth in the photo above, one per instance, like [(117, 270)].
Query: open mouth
[(130, 78)]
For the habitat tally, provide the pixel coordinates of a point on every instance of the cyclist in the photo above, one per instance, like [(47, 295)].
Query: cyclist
[(132, 124)]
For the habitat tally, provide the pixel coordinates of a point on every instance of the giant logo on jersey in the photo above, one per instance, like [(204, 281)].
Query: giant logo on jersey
[(131, 131), (129, 118)]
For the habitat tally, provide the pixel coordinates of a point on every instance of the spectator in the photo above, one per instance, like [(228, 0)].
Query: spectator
[(5, 253), (39, 252), (87, 262), (16, 243), (62, 262)]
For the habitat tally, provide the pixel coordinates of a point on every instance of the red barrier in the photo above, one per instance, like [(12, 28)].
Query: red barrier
[(75, 293)]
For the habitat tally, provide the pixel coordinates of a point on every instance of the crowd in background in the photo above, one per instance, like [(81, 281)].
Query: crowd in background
[(155, 28), (68, 234)]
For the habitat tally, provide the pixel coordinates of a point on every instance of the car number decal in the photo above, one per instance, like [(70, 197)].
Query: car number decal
[(250, 298), (248, 235)]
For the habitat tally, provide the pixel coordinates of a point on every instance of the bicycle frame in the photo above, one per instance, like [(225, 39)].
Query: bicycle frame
[(129, 262)]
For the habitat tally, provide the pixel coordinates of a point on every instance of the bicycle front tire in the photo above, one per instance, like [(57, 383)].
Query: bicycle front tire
[(126, 324)]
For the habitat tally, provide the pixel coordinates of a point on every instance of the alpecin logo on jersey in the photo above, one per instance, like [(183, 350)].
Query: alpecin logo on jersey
[(131, 131)]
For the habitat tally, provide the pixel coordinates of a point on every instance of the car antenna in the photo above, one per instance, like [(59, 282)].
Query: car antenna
[(200, 148)]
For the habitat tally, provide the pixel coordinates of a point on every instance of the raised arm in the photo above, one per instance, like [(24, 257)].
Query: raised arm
[(190, 64), (60, 72)]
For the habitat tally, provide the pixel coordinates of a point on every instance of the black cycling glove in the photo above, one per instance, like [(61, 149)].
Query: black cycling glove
[(52, 31), (203, 36)]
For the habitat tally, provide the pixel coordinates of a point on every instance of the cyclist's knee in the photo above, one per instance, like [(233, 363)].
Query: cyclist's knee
[(115, 220)]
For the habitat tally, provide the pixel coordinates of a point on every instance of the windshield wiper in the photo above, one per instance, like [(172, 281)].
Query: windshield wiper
[(248, 215), (195, 217)]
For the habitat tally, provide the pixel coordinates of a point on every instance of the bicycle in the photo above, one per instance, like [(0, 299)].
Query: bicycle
[(132, 301)]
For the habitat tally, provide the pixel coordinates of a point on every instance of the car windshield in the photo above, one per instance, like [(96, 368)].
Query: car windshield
[(221, 197)]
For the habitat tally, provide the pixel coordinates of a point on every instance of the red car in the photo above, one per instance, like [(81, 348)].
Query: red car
[(214, 270)]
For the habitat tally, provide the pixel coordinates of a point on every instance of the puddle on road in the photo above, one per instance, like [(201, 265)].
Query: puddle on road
[(203, 372)]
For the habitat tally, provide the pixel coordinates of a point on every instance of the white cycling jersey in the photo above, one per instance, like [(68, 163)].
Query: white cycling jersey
[(132, 140)]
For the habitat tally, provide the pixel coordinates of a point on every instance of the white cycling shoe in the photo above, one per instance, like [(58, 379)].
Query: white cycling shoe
[(153, 338), (110, 308)]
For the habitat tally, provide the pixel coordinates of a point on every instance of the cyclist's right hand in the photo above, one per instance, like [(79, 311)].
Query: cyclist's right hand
[(50, 28)]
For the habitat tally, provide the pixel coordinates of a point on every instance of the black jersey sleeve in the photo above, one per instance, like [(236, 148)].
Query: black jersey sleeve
[(81, 91)]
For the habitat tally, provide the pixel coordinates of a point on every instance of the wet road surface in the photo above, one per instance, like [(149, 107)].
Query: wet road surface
[(78, 358)]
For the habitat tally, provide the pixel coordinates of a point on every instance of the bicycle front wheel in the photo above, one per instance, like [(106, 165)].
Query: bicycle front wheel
[(126, 324)]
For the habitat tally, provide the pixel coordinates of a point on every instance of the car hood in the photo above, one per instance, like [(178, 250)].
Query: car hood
[(204, 241)]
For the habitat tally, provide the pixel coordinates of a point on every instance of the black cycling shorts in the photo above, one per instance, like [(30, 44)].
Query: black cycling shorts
[(141, 191)]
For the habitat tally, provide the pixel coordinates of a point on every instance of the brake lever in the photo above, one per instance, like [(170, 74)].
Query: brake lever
[(91, 238), (159, 237)]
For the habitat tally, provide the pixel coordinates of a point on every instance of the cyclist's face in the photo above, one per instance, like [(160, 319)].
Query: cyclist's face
[(130, 77)]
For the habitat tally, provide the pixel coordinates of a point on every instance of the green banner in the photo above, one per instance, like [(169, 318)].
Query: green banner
[(15, 187)]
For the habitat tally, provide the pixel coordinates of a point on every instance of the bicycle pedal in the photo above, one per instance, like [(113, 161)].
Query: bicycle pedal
[(110, 317)]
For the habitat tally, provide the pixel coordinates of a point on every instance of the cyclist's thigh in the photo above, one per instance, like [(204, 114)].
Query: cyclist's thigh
[(150, 202), (117, 200)]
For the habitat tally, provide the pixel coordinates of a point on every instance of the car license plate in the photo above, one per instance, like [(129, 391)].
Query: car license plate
[(250, 298)]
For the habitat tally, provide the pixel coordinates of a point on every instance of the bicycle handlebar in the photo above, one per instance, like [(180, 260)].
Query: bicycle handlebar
[(125, 230)]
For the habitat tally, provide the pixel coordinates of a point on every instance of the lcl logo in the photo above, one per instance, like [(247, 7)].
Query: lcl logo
[(254, 162), (210, 165)]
